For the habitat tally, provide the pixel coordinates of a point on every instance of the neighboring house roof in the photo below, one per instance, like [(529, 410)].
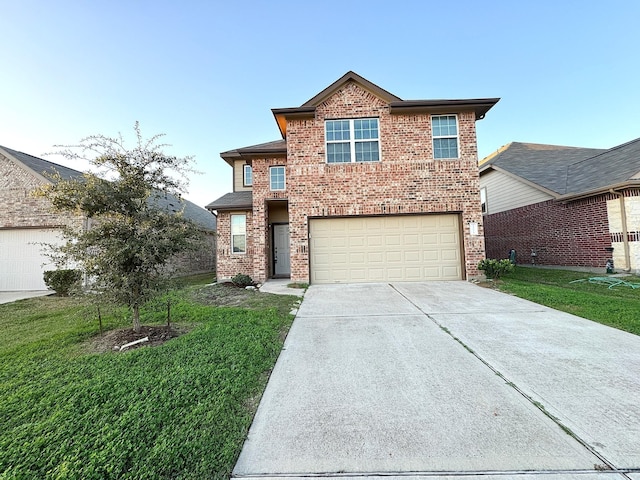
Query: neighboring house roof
[(614, 166), (45, 168), (233, 201), (544, 165), (42, 167), (567, 171), (191, 211)]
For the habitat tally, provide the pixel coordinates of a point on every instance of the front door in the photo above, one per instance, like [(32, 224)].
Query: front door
[(282, 265)]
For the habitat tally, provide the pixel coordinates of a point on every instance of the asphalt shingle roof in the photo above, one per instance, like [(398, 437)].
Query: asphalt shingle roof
[(202, 217), (232, 200), (611, 167), (544, 165), (193, 212), (43, 167)]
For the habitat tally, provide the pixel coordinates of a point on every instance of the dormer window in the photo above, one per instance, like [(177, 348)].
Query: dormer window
[(352, 140)]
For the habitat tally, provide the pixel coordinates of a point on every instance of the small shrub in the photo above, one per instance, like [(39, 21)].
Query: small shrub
[(242, 280), (495, 268), (62, 281)]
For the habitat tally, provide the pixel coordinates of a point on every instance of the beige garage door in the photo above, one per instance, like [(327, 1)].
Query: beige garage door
[(21, 258), (381, 249)]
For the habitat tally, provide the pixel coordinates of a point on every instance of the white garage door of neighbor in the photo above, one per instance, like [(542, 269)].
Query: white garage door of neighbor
[(21, 258), (386, 248)]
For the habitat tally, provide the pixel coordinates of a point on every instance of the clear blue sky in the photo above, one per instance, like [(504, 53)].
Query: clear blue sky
[(207, 73)]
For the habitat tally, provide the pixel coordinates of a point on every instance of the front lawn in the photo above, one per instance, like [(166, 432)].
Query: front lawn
[(178, 410), (617, 307)]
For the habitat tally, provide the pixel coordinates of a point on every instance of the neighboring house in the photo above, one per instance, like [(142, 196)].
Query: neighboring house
[(563, 206), (26, 222), (363, 187)]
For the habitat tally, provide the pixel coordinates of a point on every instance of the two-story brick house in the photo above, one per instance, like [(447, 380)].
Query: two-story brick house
[(363, 187)]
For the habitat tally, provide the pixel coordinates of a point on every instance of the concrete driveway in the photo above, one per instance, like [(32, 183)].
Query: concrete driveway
[(446, 380), (8, 297)]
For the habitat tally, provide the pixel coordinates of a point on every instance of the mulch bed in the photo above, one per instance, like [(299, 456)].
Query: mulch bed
[(110, 341)]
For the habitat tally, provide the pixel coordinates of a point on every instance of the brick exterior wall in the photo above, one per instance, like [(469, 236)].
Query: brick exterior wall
[(20, 209), (571, 234), (201, 261), (407, 180), (230, 264)]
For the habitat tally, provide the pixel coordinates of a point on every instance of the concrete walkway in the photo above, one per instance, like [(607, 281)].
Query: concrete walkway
[(279, 286), (8, 297), (446, 380)]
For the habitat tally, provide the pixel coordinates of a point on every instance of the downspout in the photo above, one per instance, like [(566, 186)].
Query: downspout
[(625, 235)]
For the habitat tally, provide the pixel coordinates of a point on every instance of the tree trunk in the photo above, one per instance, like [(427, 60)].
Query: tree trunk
[(136, 318)]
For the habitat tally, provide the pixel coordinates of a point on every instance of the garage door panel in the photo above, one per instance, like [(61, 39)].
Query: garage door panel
[(395, 274), (375, 257), (431, 255), (413, 274), (450, 273), (22, 261), (357, 258), (410, 239), (449, 255), (393, 257), (339, 241), (323, 242), (392, 240), (389, 248), (356, 241), (448, 238), (358, 275), (411, 257), (375, 240)]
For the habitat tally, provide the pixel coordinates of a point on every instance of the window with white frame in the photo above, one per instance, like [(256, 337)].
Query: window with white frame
[(239, 233), (445, 136), (247, 175), (352, 140), (277, 179)]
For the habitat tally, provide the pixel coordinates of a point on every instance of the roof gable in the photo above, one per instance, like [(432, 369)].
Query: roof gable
[(396, 105), (350, 77)]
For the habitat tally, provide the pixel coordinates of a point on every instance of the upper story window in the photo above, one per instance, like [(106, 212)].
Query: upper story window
[(354, 140), (239, 233), (247, 175), (445, 136), (277, 179)]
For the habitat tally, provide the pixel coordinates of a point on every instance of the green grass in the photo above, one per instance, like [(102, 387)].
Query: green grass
[(617, 307), (179, 410)]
